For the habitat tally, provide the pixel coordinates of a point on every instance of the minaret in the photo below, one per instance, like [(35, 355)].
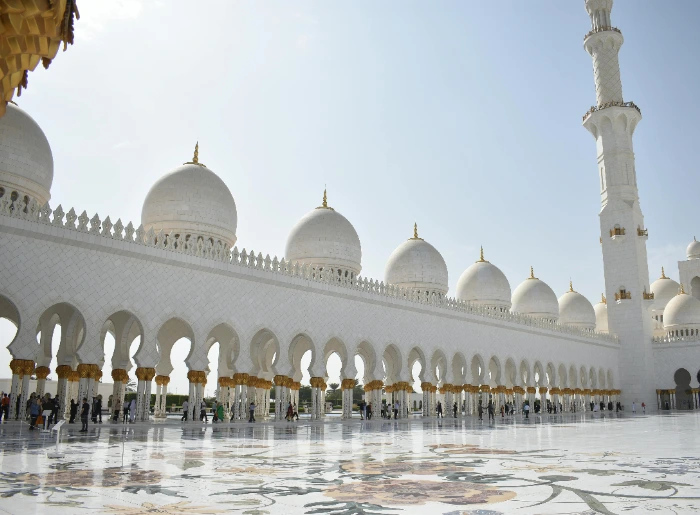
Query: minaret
[(623, 236)]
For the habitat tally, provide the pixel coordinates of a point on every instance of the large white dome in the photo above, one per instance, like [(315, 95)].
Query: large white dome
[(483, 283), (26, 162), (601, 316), (191, 200), (416, 264), (664, 289), (693, 251), (323, 237), (575, 310), (682, 312), (535, 298)]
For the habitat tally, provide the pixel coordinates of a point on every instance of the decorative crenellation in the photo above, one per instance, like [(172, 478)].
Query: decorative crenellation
[(204, 248), (612, 103)]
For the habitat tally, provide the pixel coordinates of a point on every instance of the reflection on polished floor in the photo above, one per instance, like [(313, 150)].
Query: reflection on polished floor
[(554, 464)]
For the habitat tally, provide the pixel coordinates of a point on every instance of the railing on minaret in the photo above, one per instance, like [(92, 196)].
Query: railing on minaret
[(612, 122)]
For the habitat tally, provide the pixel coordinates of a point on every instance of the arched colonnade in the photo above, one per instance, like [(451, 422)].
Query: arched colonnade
[(250, 365)]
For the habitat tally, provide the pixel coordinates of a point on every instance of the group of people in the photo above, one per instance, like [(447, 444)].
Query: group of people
[(218, 412)]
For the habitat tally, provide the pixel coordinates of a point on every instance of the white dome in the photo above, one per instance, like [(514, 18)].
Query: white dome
[(682, 312), (535, 298), (484, 284), (324, 237), (601, 316), (416, 264), (575, 310), (664, 289), (693, 251), (191, 200), (26, 162)]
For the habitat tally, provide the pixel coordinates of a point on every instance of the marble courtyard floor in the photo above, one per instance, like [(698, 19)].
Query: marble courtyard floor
[(564, 465)]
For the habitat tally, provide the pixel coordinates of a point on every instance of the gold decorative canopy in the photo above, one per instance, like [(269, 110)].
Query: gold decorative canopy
[(31, 31), (195, 158)]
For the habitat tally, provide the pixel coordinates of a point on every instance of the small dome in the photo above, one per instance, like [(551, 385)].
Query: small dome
[(682, 312), (575, 310), (601, 315), (323, 237), (693, 251), (664, 289), (26, 161), (484, 284), (191, 200), (535, 298), (416, 264)]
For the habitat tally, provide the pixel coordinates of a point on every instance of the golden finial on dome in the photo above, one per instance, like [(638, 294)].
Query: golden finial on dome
[(324, 204), (481, 256), (663, 274), (603, 300), (415, 232), (532, 273), (571, 286), (682, 291), (195, 157)]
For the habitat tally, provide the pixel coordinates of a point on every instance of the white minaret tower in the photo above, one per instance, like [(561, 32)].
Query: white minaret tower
[(623, 235)]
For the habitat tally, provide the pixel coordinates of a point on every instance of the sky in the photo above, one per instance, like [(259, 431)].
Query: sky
[(462, 116)]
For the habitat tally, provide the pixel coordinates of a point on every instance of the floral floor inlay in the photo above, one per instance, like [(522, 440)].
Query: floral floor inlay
[(549, 465)]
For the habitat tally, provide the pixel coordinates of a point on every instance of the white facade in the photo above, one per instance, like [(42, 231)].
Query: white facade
[(176, 275)]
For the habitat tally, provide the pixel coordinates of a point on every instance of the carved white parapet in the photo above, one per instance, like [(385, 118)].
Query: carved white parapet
[(221, 253)]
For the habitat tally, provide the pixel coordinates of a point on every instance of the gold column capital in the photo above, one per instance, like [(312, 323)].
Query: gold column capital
[(42, 372)]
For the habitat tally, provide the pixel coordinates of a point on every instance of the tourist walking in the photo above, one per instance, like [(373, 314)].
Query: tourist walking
[(203, 412), (644, 408), (5, 407), (251, 408), (481, 411), (454, 410), (84, 414), (98, 410), (439, 410), (220, 412), (117, 409), (73, 411), (126, 412), (396, 410), (634, 407), (295, 412), (526, 409), (489, 408), (185, 409), (55, 408), (290, 413)]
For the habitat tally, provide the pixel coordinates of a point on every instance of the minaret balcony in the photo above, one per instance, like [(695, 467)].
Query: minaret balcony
[(647, 296), (643, 233), (601, 29), (595, 109)]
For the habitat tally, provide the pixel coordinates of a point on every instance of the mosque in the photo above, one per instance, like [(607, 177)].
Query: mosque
[(181, 273)]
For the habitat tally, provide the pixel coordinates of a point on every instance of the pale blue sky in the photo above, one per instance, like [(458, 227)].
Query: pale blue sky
[(463, 116)]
